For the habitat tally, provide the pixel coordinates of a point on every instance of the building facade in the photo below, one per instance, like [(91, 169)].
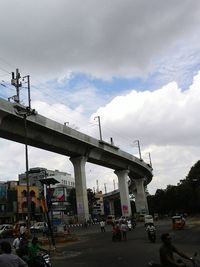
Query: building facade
[(8, 202), (22, 206)]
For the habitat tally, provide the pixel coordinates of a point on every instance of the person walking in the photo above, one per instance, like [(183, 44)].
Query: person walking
[(7, 259), (16, 244), (124, 229), (116, 233), (102, 226)]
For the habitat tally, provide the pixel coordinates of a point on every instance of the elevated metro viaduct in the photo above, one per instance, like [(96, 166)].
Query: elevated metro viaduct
[(47, 134)]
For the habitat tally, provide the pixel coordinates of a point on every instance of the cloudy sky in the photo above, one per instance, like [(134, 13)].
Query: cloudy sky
[(134, 63)]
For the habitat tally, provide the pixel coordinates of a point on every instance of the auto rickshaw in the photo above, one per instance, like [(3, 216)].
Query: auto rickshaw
[(178, 222)]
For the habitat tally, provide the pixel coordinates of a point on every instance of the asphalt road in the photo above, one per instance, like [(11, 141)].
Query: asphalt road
[(95, 249)]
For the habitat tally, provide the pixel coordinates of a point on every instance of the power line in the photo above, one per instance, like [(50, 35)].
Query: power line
[(5, 70)]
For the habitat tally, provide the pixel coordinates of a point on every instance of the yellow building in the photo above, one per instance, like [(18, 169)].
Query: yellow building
[(22, 207)]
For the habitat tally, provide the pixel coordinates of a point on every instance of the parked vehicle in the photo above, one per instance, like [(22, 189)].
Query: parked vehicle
[(178, 222), (6, 230), (39, 227)]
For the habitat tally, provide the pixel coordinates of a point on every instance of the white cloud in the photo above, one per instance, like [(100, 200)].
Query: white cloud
[(166, 121), (164, 117)]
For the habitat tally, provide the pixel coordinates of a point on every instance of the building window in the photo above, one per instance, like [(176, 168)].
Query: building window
[(24, 206), (32, 193), (24, 194)]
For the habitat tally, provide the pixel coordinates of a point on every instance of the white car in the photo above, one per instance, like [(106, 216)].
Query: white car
[(39, 227), (6, 230)]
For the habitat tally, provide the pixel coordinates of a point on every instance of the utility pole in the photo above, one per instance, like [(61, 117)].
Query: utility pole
[(15, 81), (99, 122), (24, 111)]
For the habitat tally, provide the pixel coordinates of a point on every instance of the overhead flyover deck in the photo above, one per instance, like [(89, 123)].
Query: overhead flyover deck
[(52, 136)]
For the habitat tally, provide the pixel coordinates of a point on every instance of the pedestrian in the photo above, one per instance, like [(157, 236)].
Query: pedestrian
[(7, 259), (16, 243), (124, 229), (22, 229), (116, 232), (23, 246), (102, 226), (166, 253)]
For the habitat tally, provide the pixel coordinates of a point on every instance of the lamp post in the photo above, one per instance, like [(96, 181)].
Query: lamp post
[(150, 162), (99, 123), (138, 144), (27, 174), (25, 112)]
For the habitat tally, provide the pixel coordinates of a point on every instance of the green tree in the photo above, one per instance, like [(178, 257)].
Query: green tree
[(72, 200), (185, 197), (91, 200)]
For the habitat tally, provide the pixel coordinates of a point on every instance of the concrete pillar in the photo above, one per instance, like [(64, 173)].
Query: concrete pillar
[(111, 207), (124, 192), (140, 197), (81, 189)]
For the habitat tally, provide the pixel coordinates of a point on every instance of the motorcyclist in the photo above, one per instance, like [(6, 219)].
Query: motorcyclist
[(36, 259), (166, 253), (150, 229), (7, 259)]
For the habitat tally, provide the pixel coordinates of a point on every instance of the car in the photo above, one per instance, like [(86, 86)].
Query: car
[(39, 227), (6, 230)]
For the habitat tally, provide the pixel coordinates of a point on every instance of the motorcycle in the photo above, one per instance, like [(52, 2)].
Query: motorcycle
[(41, 260), (46, 260), (151, 234), (133, 223), (129, 225)]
